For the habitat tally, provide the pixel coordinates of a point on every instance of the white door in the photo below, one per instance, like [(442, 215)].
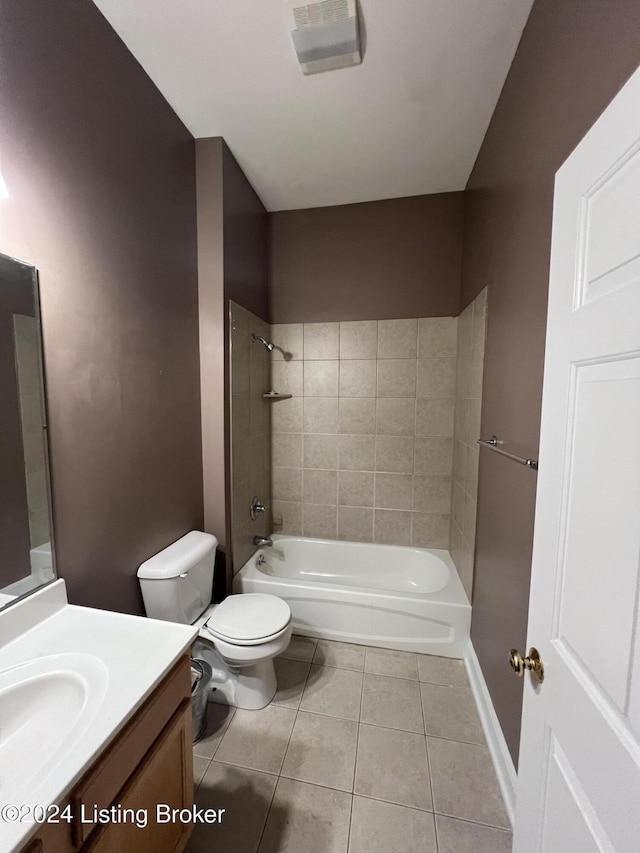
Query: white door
[(579, 774)]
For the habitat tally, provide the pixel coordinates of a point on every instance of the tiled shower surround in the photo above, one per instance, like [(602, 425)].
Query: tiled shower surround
[(363, 450), (250, 433), (471, 337)]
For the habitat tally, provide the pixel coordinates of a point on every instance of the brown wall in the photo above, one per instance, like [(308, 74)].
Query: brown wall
[(102, 200), (245, 240), (232, 265), (573, 58), (378, 260)]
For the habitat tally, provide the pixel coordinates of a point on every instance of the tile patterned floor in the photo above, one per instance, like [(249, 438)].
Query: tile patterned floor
[(362, 750)]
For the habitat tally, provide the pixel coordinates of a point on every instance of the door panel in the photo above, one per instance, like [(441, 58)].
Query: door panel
[(579, 773)]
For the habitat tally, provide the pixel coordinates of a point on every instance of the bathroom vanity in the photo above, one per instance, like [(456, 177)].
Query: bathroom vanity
[(96, 729)]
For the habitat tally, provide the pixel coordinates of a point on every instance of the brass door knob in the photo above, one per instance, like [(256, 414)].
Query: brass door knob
[(533, 662)]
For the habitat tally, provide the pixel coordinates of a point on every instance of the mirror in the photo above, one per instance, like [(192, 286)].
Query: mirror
[(26, 552)]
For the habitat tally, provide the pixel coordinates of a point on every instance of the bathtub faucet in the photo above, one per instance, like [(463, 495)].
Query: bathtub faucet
[(263, 542)]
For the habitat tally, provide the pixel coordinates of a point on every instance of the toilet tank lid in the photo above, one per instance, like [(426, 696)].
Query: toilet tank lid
[(178, 558)]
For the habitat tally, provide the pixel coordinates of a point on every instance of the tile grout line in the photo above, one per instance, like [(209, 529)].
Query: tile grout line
[(284, 755), (355, 766), (426, 746)]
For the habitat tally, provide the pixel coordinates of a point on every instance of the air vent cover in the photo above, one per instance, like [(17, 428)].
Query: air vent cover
[(325, 34)]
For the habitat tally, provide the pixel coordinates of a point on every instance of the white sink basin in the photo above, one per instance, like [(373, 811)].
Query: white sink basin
[(46, 705)]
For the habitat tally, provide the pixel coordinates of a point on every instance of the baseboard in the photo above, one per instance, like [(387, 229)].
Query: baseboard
[(502, 761)]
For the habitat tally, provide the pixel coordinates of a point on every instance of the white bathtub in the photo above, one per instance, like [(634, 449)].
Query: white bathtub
[(379, 595)]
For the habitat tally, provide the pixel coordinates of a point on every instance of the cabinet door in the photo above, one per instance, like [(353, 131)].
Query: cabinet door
[(164, 777)]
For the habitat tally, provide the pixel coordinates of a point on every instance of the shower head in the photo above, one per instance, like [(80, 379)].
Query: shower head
[(266, 344)]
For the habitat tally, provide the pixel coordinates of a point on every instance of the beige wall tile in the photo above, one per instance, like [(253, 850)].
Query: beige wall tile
[(434, 416), (321, 340), (320, 451), (286, 377), (394, 453), (437, 337), (287, 518), (459, 462), (475, 372), (432, 494), (39, 529), (320, 522), (358, 378), (321, 378), (471, 478), (286, 450), (397, 377), (462, 374), (288, 340), (319, 487), (461, 418), (357, 416), (356, 453), (457, 504), (473, 422), (436, 377), (320, 415), (392, 527), (355, 524), (355, 488), (241, 414), (37, 494), (431, 530), (396, 416), (469, 520), (433, 456), (287, 484), (359, 339), (286, 415), (397, 338), (394, 491)]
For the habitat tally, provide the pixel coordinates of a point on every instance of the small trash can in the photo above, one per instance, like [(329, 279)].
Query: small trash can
[(201, 676)]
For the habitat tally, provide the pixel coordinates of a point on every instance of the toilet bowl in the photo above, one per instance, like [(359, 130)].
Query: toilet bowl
[(238, 638)]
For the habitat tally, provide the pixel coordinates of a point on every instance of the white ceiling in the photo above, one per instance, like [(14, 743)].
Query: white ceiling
[(409, 120)]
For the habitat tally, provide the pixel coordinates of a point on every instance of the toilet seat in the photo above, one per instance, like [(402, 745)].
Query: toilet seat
[(248, 619)]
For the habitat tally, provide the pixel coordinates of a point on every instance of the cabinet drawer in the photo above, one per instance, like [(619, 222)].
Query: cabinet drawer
[(165, 776), (102, 784)]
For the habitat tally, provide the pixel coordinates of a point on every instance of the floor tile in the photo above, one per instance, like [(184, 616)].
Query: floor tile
[(392, 663), (437, 670), (291, 676), (322, 750), (343, 655), (257, 739), (464, 782), (200, 765), (451, 712), (300, 648), (306, 818), (218, 719), (458, 836), (393, 766), (387, 828), (333, 691), (246, 796), (392, 702)]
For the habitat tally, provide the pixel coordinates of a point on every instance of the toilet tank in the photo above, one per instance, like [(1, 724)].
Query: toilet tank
[(177, 582)]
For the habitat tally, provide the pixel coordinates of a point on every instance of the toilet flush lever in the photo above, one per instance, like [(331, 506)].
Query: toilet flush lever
[(256, 508)]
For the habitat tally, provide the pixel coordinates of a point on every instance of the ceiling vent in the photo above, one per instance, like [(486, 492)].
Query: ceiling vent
[(325, 34)]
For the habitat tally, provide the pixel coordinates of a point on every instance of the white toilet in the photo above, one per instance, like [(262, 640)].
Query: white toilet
[(238, 637)]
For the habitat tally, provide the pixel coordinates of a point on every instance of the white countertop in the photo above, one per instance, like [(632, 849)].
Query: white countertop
[(136, 652)]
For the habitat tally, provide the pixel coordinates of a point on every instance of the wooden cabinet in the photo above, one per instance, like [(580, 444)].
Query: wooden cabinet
[(149, 763)]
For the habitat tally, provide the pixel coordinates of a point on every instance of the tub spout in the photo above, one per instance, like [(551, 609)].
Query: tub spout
[(263, 541)]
